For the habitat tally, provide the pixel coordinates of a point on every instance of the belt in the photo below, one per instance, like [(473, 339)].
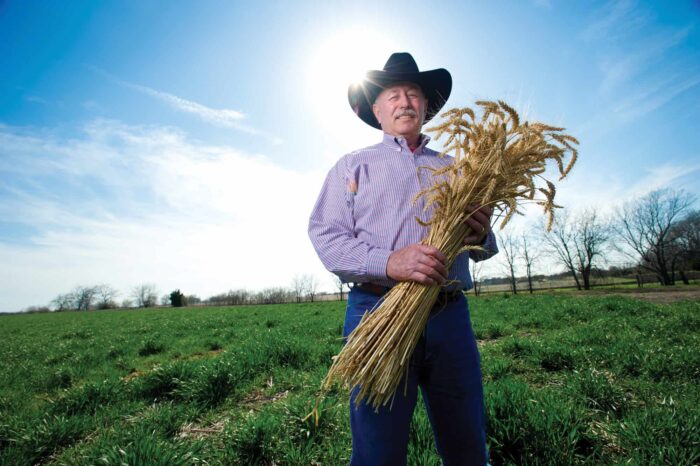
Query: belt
[(443, 298)]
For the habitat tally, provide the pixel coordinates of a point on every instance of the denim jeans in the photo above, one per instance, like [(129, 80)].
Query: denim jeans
[(445, 366)]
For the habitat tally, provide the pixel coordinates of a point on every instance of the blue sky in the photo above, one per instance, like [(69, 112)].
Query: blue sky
[(183, 143)]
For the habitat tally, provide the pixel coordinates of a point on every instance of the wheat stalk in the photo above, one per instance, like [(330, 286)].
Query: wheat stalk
[(498, 162)]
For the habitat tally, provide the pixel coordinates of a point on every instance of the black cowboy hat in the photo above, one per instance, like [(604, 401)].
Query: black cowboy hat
[(400, 67)]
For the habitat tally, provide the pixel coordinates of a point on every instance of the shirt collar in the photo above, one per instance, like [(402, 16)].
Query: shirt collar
[(399, 142)]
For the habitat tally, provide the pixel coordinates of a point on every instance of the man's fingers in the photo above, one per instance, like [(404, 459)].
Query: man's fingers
[(477, 227), (485, 209), (423, 278), (430, 272), (436, 265), (434, 252), (418, 262), (480, 217), (471, 240)]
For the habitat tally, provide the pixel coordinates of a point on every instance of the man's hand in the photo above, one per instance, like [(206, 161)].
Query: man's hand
[(479, 223), (417, 263)]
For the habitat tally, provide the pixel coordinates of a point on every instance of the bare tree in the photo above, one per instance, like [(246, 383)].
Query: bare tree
[(592, 235), (84, 297), (145, 295), (644, 226), (106, 296), (476, 276), (561, 240), (275, 295), (339, 284), (193, 299), (64, 302), (529, 252), (509, 247), (298, 286), (232, 298), (686, 234), (579, 243), (311, 286)]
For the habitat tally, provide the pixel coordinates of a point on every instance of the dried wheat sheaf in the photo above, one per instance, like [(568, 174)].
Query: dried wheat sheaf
[(498, 162)]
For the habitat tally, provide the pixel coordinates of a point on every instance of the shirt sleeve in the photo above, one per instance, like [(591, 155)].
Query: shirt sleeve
[(490, 249), (332, 231)]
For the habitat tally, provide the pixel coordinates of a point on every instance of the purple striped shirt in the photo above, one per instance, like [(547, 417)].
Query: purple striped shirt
[(365, 211)]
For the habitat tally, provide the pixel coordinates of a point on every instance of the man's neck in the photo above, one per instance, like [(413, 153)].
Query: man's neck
[(412, 141)]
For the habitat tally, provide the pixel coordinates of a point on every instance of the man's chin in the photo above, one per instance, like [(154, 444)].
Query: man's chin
[(408, 127)]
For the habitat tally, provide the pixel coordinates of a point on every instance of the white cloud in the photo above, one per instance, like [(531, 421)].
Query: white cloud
[(36, 100), (224, 117), (619, 68), (666, 176), (648, 98), (156, 207), (616, 20)]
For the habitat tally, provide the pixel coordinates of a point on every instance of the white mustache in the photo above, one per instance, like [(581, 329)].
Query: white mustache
[(406, 112)]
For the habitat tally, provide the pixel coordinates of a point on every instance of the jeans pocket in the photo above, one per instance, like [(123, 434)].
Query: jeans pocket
[(359, 303)]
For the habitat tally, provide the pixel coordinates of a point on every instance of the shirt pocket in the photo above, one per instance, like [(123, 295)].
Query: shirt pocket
[(352, 184)]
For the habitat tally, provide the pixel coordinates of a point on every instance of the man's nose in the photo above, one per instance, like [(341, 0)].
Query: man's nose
[(404, 101)]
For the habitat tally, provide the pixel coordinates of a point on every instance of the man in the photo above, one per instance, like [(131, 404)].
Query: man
[(364, 229)]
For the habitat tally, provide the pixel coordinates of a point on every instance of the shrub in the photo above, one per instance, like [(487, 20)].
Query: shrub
[(209, 385), (527, 427), (495, 368), (253, 442), (163, 382), (556, 359), (114, 353), (151, 347), (60, 378), (663, 435), (309, 421), (518, 348), (289, 353), (35, 442), (146, 448), (491, 332), (269, 323), (600, 393), (88, 398), (214, 346)]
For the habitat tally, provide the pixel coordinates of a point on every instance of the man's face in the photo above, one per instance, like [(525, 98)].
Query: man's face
[(400, 109)]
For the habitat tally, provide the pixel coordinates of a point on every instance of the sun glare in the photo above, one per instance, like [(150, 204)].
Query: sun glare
[(342, 59)]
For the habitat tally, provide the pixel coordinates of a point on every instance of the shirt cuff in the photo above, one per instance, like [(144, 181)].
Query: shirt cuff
[(376, 262)]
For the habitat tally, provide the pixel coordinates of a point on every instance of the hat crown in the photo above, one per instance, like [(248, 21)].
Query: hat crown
[(399, 68), (401, 62)]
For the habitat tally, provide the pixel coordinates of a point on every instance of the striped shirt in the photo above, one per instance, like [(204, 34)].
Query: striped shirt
[(366, 210)]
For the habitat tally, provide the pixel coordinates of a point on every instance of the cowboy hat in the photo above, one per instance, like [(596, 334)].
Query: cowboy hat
[(400, 67)]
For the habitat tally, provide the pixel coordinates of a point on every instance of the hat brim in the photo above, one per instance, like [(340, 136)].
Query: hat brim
[(435, 84)]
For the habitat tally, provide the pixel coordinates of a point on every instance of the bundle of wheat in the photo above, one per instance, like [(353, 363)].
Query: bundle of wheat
[(498, 162)]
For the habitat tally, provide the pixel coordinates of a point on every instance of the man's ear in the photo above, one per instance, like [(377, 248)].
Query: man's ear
[(375, 110)]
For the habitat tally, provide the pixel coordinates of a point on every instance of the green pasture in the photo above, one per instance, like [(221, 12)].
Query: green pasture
[(568, 380)]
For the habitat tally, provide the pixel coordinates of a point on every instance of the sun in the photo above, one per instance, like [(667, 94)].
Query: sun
[(342, 59)]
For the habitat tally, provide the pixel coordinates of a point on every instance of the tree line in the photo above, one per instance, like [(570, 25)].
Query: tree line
[(304, 288), (87, 298), (658, 233)]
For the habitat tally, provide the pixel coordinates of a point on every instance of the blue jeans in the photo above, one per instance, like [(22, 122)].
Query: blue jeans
[(445, 365)]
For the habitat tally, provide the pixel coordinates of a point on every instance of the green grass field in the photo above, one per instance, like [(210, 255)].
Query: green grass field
[(568, 380)]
